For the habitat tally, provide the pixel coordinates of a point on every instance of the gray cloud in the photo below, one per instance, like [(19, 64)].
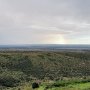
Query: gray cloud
[(26, 21)]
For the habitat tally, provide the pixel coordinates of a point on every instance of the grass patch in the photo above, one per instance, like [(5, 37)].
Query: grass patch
[(68, 85)]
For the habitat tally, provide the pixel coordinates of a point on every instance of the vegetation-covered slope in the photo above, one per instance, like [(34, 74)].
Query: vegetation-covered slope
[(17, 67)]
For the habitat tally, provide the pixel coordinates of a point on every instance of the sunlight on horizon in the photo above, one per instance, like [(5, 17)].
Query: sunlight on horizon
[(57, 39)]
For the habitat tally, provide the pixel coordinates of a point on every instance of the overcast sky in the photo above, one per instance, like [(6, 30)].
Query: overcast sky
[(44, 21)]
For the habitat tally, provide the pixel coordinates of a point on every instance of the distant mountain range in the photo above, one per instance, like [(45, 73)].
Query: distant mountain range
[(46, 47)]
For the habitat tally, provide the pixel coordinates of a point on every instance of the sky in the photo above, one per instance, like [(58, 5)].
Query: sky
[(44, 22)]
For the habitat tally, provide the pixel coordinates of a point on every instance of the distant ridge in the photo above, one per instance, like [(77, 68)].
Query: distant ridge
[(46, 47)]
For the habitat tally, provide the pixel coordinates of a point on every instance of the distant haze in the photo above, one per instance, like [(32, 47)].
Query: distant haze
[(46, 47), (44, 22)]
